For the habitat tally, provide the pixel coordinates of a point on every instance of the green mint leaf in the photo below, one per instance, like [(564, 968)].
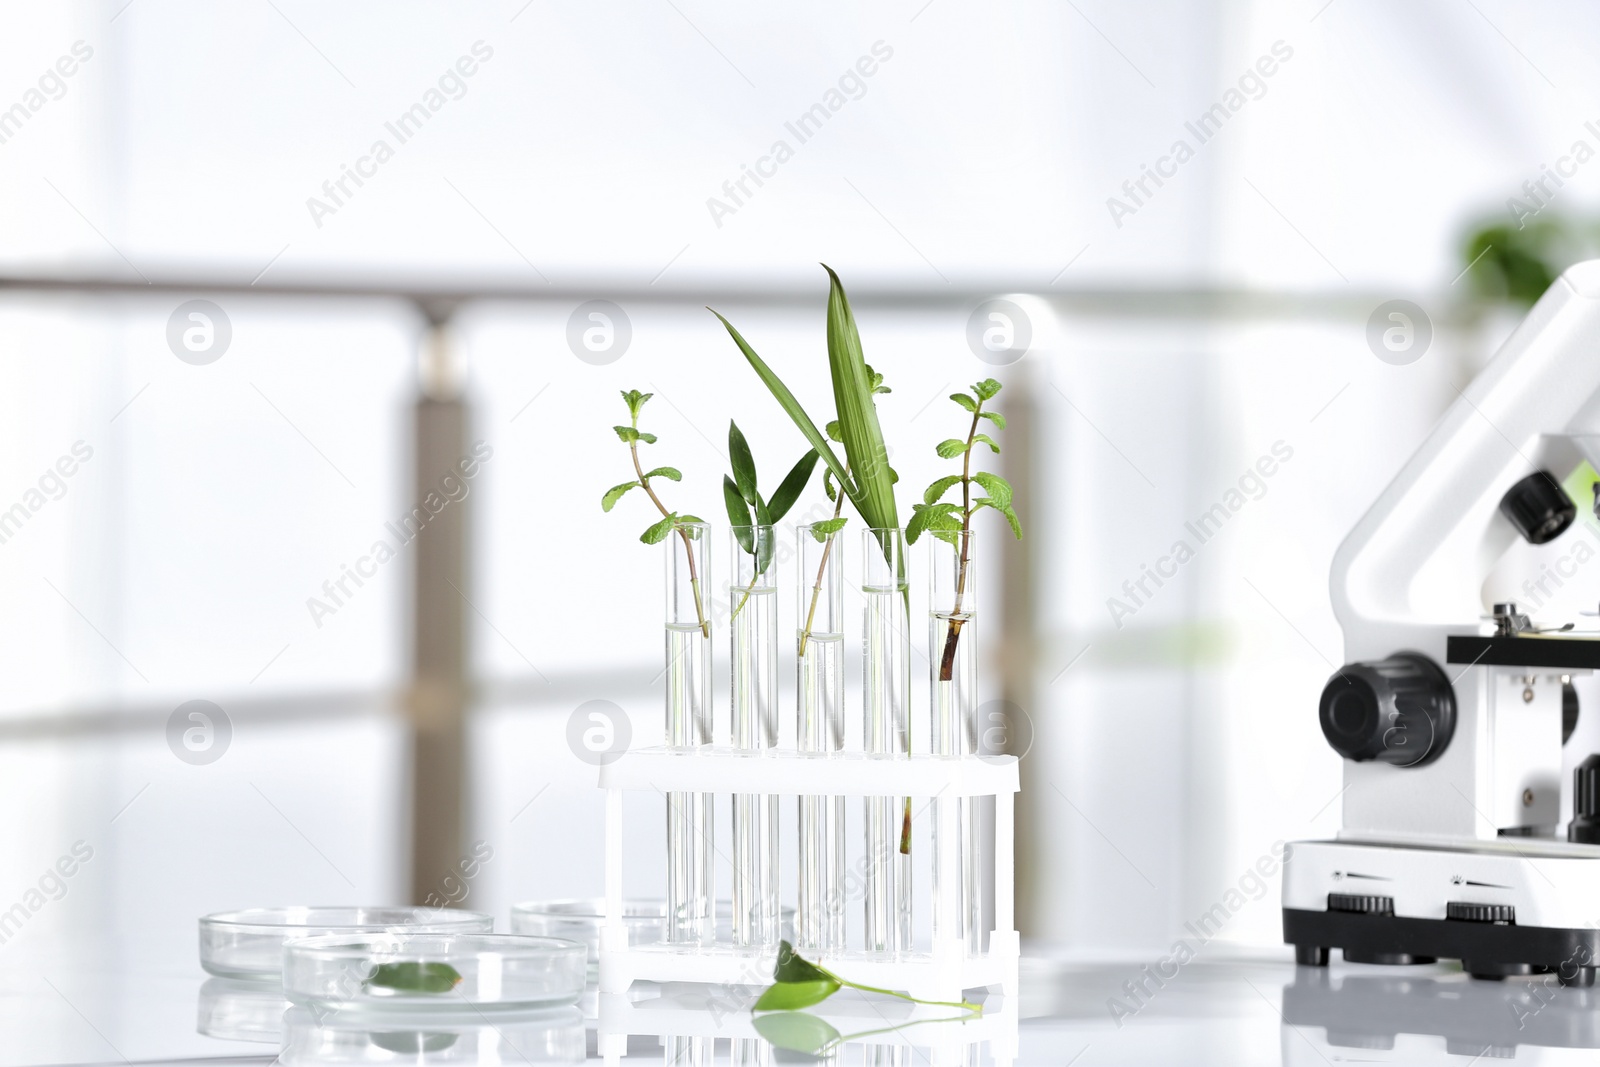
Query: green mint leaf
[(986, 389), (794, 484), (738, 515), (647, 438), (788, 996), (949, 537), (949, 449), (931, 517), (1016, 524), (792, 967), (832, 430), (965, 401), (689, 518), (616, 493), (744, 464), (635, 401), (995, 417), (627, 433), (415, 977), (658, 532), (827, 528), (998, 488), (985, 439), (875, 380), (671, 474), (939, 488)]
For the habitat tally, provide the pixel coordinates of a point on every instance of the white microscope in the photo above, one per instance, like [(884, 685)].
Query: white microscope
[(1461, 596)]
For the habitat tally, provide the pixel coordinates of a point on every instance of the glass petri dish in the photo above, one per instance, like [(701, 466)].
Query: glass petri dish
[(580, 919), (248, 944), (554, 1035), (240, 1011), (405, 973)]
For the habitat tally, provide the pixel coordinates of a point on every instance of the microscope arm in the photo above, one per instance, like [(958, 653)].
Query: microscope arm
[(1412, 566)]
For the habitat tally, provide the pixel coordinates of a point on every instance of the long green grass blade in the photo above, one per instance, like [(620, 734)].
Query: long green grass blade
[(858, 416), (787, 401)]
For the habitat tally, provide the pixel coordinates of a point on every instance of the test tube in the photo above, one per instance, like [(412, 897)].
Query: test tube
[(953, 726), (690, 875), (819, 692), (887, 675), (753, 598)]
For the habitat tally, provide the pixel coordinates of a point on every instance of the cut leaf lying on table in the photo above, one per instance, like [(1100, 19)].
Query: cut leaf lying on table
[(799, 983), (415, 977)]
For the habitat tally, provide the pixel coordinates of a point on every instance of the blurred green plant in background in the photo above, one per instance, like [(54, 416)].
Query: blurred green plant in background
[(1515, 264)]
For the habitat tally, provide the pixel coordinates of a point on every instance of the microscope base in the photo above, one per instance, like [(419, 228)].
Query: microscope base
[(1501, 909)]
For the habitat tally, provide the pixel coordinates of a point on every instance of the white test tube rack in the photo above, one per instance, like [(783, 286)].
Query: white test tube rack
[(938, 974)]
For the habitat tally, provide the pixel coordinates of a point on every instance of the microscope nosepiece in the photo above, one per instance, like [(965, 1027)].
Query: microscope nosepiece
[(1399, 710)]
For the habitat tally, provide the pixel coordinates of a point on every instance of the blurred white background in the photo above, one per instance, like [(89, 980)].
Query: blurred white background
[(1172, 346)]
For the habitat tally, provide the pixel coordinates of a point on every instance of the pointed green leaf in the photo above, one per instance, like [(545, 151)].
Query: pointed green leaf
[(931, 517), (995, 417), (798, 1031), (794, 484), (690, 518), (827, 528), (950, 448), (744, 464), (997, 487), (787, 996), (793, 967), (858, 415), (627, 433), (985, 439), (790, 405), (616, 493), (671, 474), (635, 401), (738, 514), (658, 532), (986, 389), (1016, 524), (647, 438), (832, 430), (965, 401), (939, 488)]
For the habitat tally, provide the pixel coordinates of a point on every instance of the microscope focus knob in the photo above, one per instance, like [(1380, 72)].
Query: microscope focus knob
[(1585, 824), (1399, 710), (1538, 507)]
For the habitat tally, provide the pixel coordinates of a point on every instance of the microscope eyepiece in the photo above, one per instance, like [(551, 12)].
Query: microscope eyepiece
[(1399, 710)]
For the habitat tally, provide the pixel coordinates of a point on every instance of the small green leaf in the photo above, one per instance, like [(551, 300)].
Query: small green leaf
[(939, 488), (931, 517), (986, 439), (628, 434), (797, 1031), (793, 484), (965, 401), (671, 474), (832, 430), (744, 464), (986, 389), (738, 515), (415, 977), (827, 484), (616, 493), (792, 967), (998, 488), (875, 380), (635, 401), (690, 518), (995, 417), (787, 996), (948, 449), (827, 528), (658, 532), (1016, 524)]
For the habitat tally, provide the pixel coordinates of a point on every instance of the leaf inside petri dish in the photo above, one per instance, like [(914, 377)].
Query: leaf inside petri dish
[(415, 977)]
